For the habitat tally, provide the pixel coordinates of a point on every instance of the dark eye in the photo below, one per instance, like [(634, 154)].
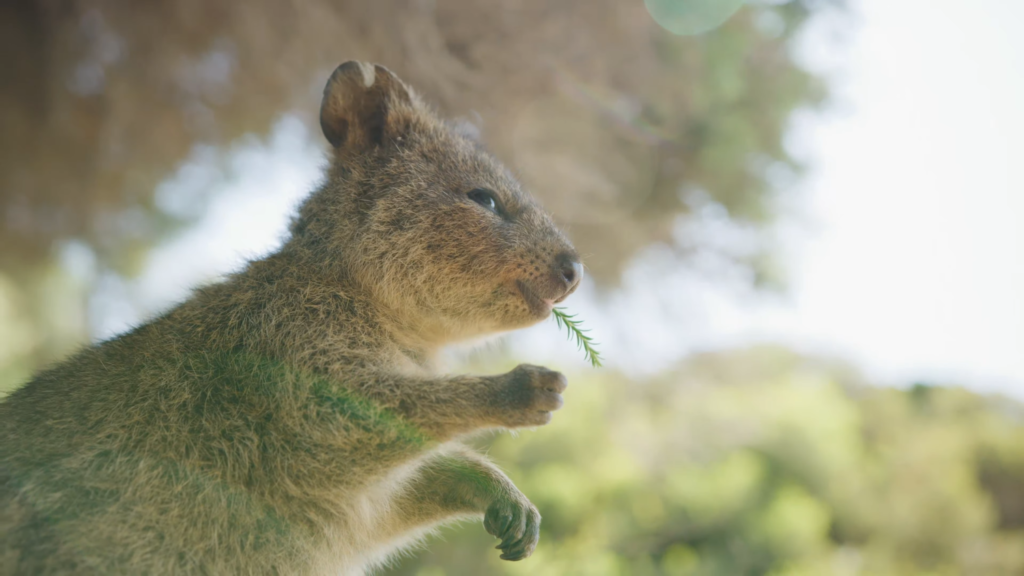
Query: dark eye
[(486, 199)]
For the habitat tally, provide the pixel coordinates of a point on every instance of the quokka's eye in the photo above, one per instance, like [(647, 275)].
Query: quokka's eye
[(486, 199)]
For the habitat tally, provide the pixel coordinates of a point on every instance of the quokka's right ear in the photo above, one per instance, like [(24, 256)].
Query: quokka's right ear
[(357, 101)]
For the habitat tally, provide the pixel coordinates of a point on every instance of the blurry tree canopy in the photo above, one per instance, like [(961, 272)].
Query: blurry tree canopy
[(608, 118)]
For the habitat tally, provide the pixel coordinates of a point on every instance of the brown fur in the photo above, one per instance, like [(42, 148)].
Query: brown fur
[(290, 420)]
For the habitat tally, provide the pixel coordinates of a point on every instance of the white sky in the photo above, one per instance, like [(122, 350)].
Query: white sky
[(918, 266), (911, 266)]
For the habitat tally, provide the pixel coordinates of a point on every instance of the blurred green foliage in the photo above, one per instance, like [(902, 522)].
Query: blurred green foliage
[(760, 462)]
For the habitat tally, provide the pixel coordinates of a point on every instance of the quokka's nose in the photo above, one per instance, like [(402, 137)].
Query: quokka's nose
[(570, 268)]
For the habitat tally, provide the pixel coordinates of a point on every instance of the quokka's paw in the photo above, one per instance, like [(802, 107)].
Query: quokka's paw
[(529, 395), (517, 523)]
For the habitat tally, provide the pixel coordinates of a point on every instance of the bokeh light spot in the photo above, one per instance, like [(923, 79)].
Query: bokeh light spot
[(689, 17)]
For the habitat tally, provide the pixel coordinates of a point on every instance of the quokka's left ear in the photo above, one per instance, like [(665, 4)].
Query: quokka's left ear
[(357, 101)]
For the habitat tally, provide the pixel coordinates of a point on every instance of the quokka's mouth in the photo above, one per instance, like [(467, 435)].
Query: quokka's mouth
[(538, 305)]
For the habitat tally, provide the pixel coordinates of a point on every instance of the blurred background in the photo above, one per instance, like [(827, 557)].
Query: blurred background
[(802, 220)]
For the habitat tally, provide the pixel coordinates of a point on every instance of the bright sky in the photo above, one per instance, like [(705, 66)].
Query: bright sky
[(908, 260), (917, 268)]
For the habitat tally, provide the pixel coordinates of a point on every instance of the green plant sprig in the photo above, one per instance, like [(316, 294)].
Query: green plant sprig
[(583, 342)]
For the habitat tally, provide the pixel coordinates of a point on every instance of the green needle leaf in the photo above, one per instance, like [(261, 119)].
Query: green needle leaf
[(583, 342)]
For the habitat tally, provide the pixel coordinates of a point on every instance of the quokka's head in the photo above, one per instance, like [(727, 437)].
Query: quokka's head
[(420, 215)]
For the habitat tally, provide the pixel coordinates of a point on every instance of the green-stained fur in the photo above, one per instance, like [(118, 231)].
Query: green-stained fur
[(291, 420)]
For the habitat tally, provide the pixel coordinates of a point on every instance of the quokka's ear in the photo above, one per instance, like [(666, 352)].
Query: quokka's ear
[(356, 104)]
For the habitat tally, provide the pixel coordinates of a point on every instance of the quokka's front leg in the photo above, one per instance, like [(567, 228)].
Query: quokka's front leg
[(446, 407), (460, 483)]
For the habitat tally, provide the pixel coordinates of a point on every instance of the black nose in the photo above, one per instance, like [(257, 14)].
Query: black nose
[(571, 269)]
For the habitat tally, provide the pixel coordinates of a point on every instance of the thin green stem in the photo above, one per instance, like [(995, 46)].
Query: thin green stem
[(583, 342)]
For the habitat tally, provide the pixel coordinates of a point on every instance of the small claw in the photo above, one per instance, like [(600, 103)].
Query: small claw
[(515, 554), (512, 555), (508, 552), (522, 545)]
